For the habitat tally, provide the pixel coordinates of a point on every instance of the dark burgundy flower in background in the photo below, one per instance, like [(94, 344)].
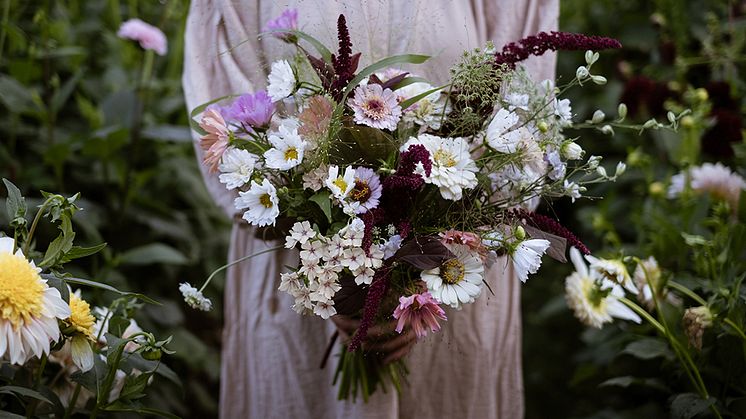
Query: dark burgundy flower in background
[(542, 42), (645, 97)]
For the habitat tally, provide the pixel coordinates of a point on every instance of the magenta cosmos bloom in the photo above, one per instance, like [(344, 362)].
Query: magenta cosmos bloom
[(147, 35), (420, 312), (376, 107), (366, 193), (288, 20), (216, 140), (251, 110)]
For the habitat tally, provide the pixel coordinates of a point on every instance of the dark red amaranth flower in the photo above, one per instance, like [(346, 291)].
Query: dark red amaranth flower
[(373, 300), (645, 97), (404, 227), (546, 224), (399, 188), (416, 153), (371, 218), (542, 42), (344, 63)]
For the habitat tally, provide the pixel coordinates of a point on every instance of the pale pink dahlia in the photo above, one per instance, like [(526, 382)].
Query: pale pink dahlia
[(420, 312), (715, 179), (216, 141), (376, 107), (146, 34)]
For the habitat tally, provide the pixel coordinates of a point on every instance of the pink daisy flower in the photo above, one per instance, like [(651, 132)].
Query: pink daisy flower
[(420, 312), (216, 141), (147, 35), (288, 20), (376, 107)]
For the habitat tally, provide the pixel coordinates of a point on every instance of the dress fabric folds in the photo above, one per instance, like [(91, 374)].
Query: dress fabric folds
[(271, 355)]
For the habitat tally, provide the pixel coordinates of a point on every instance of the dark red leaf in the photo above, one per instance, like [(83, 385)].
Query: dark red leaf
[(423, 252)]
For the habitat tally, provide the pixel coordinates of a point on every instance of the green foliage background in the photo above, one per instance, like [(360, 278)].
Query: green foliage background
[(75, 118)]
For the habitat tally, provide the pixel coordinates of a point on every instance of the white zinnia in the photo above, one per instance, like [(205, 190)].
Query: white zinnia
[(457, 281), (453, 170), (29, 308), (281, 80), (527, 257), (236, 167), (287, 148), (340, 185), (594, 300), (262, 203)]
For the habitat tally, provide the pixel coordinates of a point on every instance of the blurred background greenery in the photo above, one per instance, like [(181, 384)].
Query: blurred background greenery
[(78, 116)]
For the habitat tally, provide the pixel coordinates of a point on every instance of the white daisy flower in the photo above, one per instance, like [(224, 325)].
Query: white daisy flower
[(527, 257), (453, 170), (614, 270), (594, 300), (300, 233), (262, 203), (287, 148), (458, 280), (500, 135), (194, 298), (281, 80), (340, 185), (236, 167), (29, 308)]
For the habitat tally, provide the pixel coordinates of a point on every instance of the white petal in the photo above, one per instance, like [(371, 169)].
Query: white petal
[(6, 244), (82, 353)]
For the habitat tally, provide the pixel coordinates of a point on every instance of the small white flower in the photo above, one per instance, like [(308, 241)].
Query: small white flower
[(236, 167), (527, 257), (571, 151), (365, 277), (353, 233), (598, 117), (315, 179), (340, 185), (312, 251), (262, 203), (517, 101), (647, 272), (194, 298), (324, 309), (392, 245), (281, 80), (620, 169), (353, 258), (559, 167), (287, 149), (300, 233), (563, 110), (572, 190), (290, 282)]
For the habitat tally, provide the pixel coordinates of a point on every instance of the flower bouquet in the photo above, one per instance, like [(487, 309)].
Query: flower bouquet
[(397, 193)]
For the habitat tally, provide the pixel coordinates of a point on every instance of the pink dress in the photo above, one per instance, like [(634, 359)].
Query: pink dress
[(271, 355)]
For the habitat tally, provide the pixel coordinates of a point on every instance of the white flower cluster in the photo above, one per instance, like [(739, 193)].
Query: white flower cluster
[(323, 260), (194, 298)]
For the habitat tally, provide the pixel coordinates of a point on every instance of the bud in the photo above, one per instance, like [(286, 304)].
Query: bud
[(152, 354), (607, 129), (582, 73), (656, 189), (520, 233), (600, 80), (687, 122), (593, 162), (696, 320), (620, 169), (671, 117), (601, 172), (702, 94), (543, 127), (591, 57), (650, 123), (571, 151), (622, 111), (598, 117)]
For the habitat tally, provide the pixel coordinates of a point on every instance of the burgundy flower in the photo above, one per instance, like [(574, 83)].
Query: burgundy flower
[(645, 97), (542, 42), (373, 300)]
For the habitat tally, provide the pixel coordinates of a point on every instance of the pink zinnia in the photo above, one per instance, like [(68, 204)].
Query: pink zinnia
[(216, 140), (420, 312), (376, 107), (147, 35), (288, 20)]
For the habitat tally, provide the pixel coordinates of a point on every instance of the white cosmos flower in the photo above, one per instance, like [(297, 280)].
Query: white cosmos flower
[(527, 257), (281, 80), (614, 270), (453, 170), (287, 148), (29, 308), (262, 203), (458, 280), (340, 185), (594, 300), (236, 167)]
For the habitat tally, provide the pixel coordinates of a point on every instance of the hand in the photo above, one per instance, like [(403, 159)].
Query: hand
[(381, 338)]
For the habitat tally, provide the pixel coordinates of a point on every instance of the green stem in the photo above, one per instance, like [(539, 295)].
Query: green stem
[(686, 291), (38, 216), (639, 310), (738, 330), (4, 28), (235, 262)]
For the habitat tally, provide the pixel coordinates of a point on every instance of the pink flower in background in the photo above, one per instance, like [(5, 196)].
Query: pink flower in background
[(253, 110), (715, 179), (463, 237), (376, 107), (215, 142), (288, 20), (147, 35), (420, 312)]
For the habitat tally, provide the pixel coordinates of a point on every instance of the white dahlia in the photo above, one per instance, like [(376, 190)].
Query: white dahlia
[(29, 308), (453, 170), (457, 281), (714, 179)]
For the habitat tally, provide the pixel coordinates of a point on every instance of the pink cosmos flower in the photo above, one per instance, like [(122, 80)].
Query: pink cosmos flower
[(147, 35), (215, 141), (251, 110), (420, 312), (463, 237), (376, 107), (288, 20)]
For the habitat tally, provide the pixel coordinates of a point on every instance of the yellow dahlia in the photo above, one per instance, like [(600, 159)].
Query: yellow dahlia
[(29, 308)]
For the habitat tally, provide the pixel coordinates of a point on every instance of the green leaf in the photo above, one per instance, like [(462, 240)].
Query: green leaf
[(412, 100), (322, 199), (386, 62), (326, 55), (410, 80), (142, 364), (175, 133), (9, 415), (15, 204), (25, 392), (59, 246), (153, 253), (101, 285), (134, 387), (689, 405), (63, 94), (143, 411), (77, 252), (648, 348), (14, 95)]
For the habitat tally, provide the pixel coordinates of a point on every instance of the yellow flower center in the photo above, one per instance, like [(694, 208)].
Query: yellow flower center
[(340, 183), (452, 271), (266, 200), (80, 316), (21, 291), (361, 192), (444, 158), (291, 154)]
